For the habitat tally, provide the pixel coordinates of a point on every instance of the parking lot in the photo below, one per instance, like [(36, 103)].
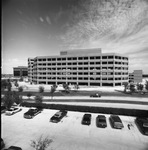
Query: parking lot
[(70, 134)]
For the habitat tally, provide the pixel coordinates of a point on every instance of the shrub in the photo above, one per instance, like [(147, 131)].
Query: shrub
[(29, 95), (20, 89), (41, 89), (38, 98), (16, 84), (53, 89), (8, 99), (17, 98), (41, 143)]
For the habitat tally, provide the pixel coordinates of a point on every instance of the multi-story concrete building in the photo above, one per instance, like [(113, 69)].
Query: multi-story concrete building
[(30, 69), (88, 67), (20, 71), (136, 76)]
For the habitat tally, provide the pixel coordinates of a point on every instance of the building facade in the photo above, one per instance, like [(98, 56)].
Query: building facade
[(136, 76), (88, 67), (30, 69), (20, 71)]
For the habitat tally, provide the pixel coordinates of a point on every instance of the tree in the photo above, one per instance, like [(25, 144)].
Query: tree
[(132, 88), (41, 143), (9, 85), (39, 98), (41, 89), (146, 85), (20, 89), (3, 84), (29, 95), (140, 87), (125, 84), (66, 88), (8, 99), (17, 98), (16, 84), (76, 87), (53, 89)]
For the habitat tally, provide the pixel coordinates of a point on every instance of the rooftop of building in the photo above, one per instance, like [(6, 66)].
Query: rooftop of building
[(82, 52)]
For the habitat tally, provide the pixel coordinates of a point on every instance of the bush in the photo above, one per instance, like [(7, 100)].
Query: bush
[(20, 89), (8, 99), (17, 98), (41, 89), (38, 98), (41, 144), (29, 95)]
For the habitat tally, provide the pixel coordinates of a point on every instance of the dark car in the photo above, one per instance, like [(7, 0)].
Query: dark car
[(58, 116), (95, 95), (32, 112), (86, 120), (101, 121), (142, 124), (116, 122), (14, 148)]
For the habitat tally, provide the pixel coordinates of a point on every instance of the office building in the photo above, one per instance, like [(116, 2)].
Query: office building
[(30, 69), (20, 71), (88, 67), (136, 76)]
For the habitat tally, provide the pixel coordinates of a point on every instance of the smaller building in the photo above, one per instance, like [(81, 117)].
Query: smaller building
[(20, 71), (136, 76)]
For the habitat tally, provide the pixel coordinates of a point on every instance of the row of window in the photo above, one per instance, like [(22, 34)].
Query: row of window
[(80, 78), (83, 73), (81, 63), (81, 58), (82, 68)]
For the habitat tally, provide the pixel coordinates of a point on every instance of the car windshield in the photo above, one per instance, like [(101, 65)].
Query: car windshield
[(145, 125), (101, 120), (58, 114)]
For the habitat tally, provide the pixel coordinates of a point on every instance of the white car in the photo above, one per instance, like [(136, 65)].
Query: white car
[(12, 110)]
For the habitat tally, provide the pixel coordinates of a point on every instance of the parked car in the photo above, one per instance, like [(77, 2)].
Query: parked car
[(116, 122), (95, 95), (3, 109), (12, 110), (14, 148), (32, 112), (142, 124), (86, 120), (58, 116), (101, 121), (2, 143)]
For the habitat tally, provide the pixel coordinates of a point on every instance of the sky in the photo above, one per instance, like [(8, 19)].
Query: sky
[(33, 28)]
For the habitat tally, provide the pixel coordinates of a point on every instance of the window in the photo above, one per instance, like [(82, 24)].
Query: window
[(53, 59), (80, 58), (98, 57), (104, 57), (59, 59), (85, 58), (110, 57), (92, 57), (104, 62), (63, 58), (74, 58)]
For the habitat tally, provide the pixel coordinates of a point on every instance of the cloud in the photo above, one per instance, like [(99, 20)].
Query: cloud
[(48, 20), (115, 26), (41, 19), (107, 22)]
